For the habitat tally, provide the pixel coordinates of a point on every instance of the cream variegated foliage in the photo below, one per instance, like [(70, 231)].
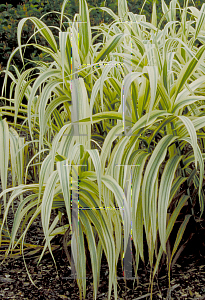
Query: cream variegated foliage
[(139, 97)]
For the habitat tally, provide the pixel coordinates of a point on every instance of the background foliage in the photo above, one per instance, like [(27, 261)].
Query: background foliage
[(11, 14)]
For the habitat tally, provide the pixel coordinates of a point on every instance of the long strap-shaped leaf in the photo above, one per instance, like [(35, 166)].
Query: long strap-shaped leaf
[(4, 154), (44, 30), (164, 193)]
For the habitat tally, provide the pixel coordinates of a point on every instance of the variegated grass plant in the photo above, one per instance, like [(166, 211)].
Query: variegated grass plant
[(138, 90)]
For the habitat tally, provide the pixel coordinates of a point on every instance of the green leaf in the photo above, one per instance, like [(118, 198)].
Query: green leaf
[(109, 46), (164, 194), (4, 154)]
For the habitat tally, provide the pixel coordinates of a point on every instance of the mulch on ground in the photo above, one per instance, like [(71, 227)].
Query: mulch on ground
[(188, 280)]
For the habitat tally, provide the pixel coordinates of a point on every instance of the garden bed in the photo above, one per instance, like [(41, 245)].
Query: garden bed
[(187, 280)]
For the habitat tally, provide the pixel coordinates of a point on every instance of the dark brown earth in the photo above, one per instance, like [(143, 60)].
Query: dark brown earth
[(187, 281)]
